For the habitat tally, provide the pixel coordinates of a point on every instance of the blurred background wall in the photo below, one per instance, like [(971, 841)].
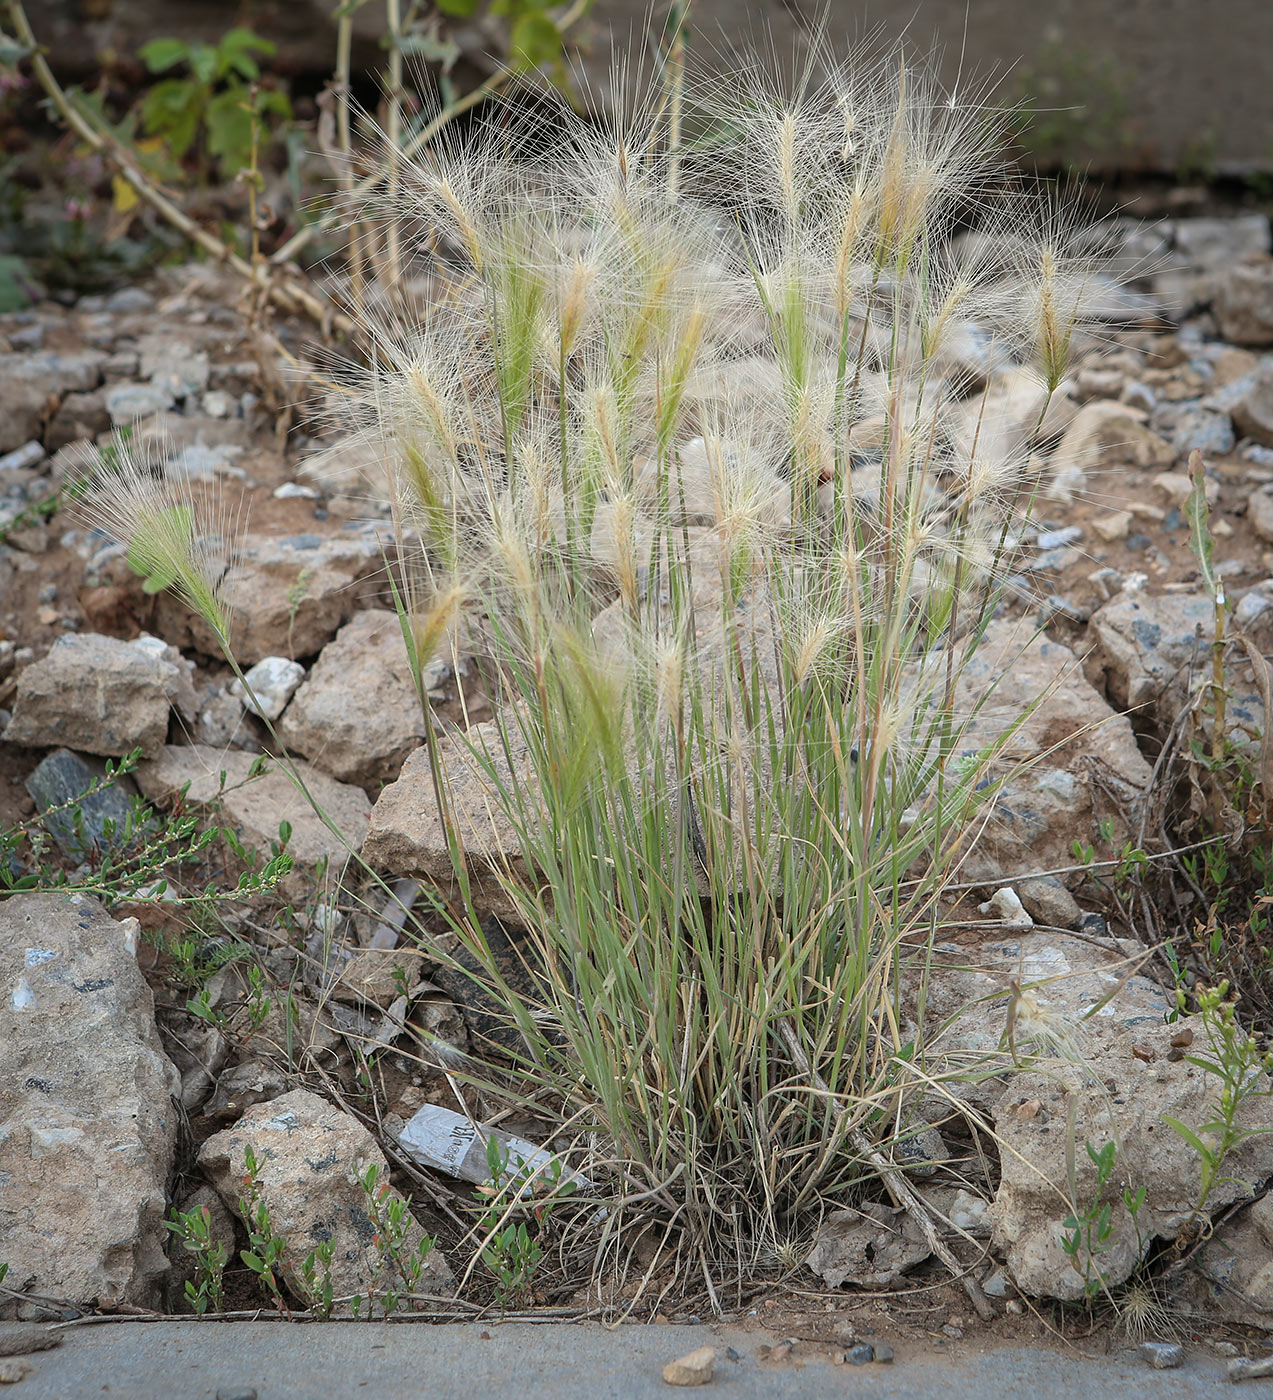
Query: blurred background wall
[(1179, 86)]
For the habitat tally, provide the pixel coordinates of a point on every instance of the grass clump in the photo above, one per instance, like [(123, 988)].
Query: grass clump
[(690, 443)]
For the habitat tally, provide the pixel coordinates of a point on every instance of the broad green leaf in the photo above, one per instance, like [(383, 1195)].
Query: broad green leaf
[(457, 9), (161, 54), (1199, 516), (535, 39), (205, 64), (1192, 1138), (13, 274)]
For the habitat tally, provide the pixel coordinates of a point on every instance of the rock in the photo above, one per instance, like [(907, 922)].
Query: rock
[(288, 596), (199, 1050), (22, 1338), (245, 1085), (1148, 649), (31, 387), (1162, 1356), (60, 782), (1253, 405), (1006, 907), (221, 723), (1047, 901), (1067, 728), (127, 402), (79, 416), (1107, 1093), (1211, 433), (173, 365), (695, 1368), (406, 836), (100, 695), (334, 720), (1099, 383), (871, 1247), (311, 1154), (1106, 434), (87, 1126), (1113, 527), (1259, 511), (1237, 1265), (256, 808), (970, 1213), (13, 1370), (1243, 303), (1215, 244), (268, 686)]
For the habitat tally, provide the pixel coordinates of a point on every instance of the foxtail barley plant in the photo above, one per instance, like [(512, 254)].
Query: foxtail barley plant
[(691, 446)]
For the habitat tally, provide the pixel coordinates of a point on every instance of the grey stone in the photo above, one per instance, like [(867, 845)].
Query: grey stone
[(99, 695), (1047, 901), (245, 1085), (1253, 405), (129, 300), (1259, 511), (267, 687), (87, 1127), (31, 384), (1215, 244), (60, 782), (127, 402), (1067, 727), (222, 722), (173, 366), (199, 462), (1243, 303), (1162, 1356), (333, 719), (1237, 1264), (312, 1153), (1211, 433)]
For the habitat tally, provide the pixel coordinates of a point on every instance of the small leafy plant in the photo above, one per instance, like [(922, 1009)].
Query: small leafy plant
[(206, 1291), (1240, 1070), (210, 111), (394, 1225), (265, 1252), (1090, 1229)]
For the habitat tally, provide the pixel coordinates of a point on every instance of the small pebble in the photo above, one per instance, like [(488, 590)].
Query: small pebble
[(25, 456), (953, 1332), (1242, 1368), (883, 1354), (1113, 527), (1054, 539), (1162, 1356), (695, 1368), (13, 1369), (860, 1355)]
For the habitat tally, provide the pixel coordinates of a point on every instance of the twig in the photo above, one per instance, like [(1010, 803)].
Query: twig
[(289, 298)]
